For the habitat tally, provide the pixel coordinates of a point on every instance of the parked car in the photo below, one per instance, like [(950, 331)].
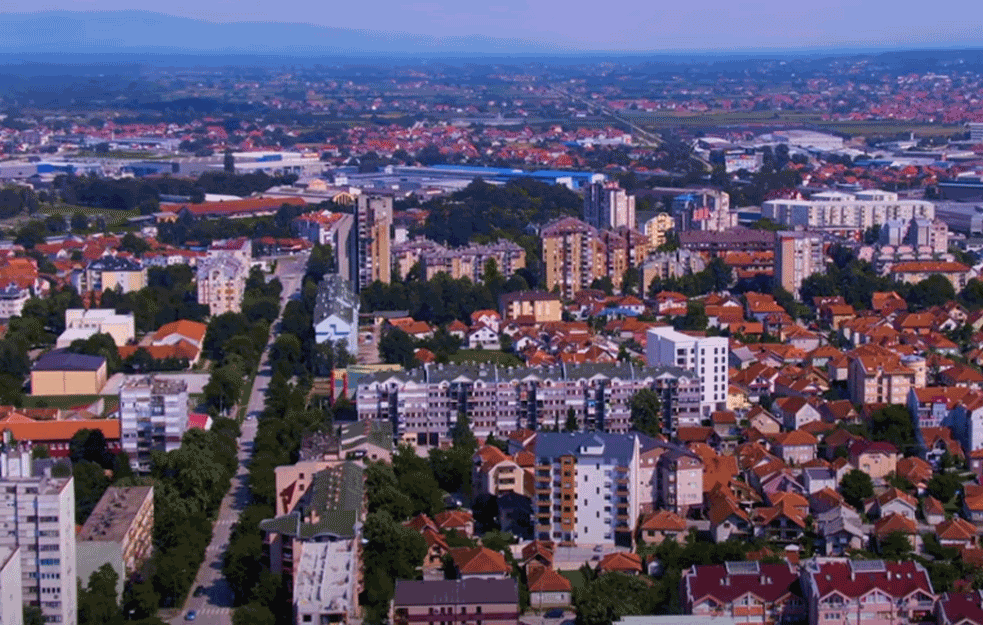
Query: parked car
[(191, 615), (554, 613)]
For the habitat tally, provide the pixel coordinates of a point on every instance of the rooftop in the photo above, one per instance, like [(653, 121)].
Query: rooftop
[(115, 513), (453, 592), (325, 578)]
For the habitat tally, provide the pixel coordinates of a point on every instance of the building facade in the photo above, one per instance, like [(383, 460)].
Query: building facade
[(798, 255), (705, 357), (608, 206), (124, 520), (456, 602), (847, 214), (221, 282), (153, 415), (11, 591), (372, 239), (336, 312), (573, 256), (37, 514)]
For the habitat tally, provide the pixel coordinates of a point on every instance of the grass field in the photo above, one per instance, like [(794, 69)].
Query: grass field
[(71, 401), (486, 355)]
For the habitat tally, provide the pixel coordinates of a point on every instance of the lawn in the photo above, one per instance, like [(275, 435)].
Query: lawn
[(485, 355), (66, 402), (575, 577)]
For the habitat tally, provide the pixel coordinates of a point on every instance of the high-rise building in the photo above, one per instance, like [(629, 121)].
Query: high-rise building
[(372, 232), (606, 205), (705, 357), (153, 415), (798, 255), (37, 514), (705, 210), (585, 487), (222, 274), (848, 214), (11, 588), (574, 255)]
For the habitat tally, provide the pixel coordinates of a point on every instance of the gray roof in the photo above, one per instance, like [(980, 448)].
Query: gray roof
[(115, 513), (336, 296), (447, 592), (619, 447), (64, 360), (335, 496), (115, 263)]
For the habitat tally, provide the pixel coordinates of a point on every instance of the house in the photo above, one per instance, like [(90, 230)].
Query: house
[(763, 421), (895, 523), (878, 375), (727, 519), (973, 503), (335, 318), (916, 471), (548, 589), (816, 479), (460, 521), (935, 443), (784, 522), (957, 532), (655, 527), (483, 337), (26, 426), (437, 546), (488, 318), (835, 589), (932, 510), (492, 601), (960, 608), (747, 590), (624, 562), (795, 412), (60, 372), (961, 375), (457, 329), (538, 553), (724, 423), (479, 563), (892, 501), (825, 500), (840, 530), (796, 447), (875, 458), (190, 335)]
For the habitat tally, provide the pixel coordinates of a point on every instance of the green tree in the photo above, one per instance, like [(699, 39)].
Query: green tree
[(90, 445), (571, 425), (140, 600), (893, 424), (97, 604), (223, 388), (856, 487), (33, 615), (695, 318), (934, 290), (612, 596), (944, 486), (894, 546), (646, 412), (229, 162), (396, 347), (79, 221), (253, 614), (90, 484)]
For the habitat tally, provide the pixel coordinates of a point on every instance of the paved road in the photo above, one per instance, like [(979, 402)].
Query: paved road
[(215, 606)]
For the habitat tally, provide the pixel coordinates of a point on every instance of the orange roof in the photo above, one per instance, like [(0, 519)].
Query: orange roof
[(620, 561), (895, 523), (233, 207), (181, 349), (663, 521), (795, 438), (542, 579), (193, 330), (25, 429), (454, 519), (956, 528), (478, 560)]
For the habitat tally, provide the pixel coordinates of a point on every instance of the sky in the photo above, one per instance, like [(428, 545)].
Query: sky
[(628, 25)]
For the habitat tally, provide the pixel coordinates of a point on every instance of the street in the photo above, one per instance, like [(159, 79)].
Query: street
[(214, 607)]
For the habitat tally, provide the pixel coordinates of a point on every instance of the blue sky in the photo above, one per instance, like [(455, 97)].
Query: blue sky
[(631, 25)]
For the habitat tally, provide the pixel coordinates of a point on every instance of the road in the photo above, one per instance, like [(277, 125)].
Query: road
[(215, 606)]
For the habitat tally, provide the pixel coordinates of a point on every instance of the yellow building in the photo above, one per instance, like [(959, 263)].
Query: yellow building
[(573, 255), (657, 227), (534, 306), (60, 372), (112, 273)]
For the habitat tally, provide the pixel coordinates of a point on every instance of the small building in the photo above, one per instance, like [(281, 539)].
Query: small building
[(336, 312), (119, 532), (61, 372), (81, 324), (548, 589), (492, 601)]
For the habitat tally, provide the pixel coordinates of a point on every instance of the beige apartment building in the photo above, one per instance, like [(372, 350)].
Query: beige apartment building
[(798, 255), (657, 228), (221, 283), (81, 323), (878, 375), (573, 254), (533, 306), (373, 238), (120, 529), (112, 273)]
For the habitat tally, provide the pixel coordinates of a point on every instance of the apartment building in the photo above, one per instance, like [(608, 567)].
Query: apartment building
[(584, 487), (623, 249), (81, 323), (37, 515), (327, 583), (679, 480), (665, 265), (461, 262), (606, 205), (423, 404), (737, 239), (531, 306), (749, 592), (573, 255), (705, 210), (111, 273), (914, 271), (456, 602), (798, 255), (119, 530), (372, 236), (336, 312), (867, 592), (928, 233), (847, 214), (12, 300), (878, 375), (657, 228), (153, 415), (11, 602), (222, 282), (329, 228), (705, 357)]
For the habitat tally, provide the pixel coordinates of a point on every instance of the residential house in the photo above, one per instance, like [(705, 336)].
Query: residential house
[(932, 510), (491, 601), (795, 412), (858, 592), (624, 562), (795, 447), (483, 337), (840, 530), (895, 523), (727, 519), (479, 563), (655, 527), (547, 588), (957, 532), (875, 458), (892, 501), (916, 471), (815, 479), (960, 608), (765, 593), (973, 503)]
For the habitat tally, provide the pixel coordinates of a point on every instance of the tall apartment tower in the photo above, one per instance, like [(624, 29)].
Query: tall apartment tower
[(573, 254), (37, 519), (153, 415), (706, 357), (798, 255), (372, 233), (608, 206)]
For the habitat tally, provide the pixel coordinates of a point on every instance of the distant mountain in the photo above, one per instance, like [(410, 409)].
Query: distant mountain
[(142, 32)]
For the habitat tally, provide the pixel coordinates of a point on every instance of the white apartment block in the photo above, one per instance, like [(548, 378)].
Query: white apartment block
[(37, 514), (11, 588), (221, 283), (153, 415), (607, 206), (12, 300), (585, 490), (326, 584), (705, 357), (81, 323), (846, 213)]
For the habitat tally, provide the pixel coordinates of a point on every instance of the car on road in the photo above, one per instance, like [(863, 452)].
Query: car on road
[(554, 613), (191, 615), (598, 549), (199, 591)]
